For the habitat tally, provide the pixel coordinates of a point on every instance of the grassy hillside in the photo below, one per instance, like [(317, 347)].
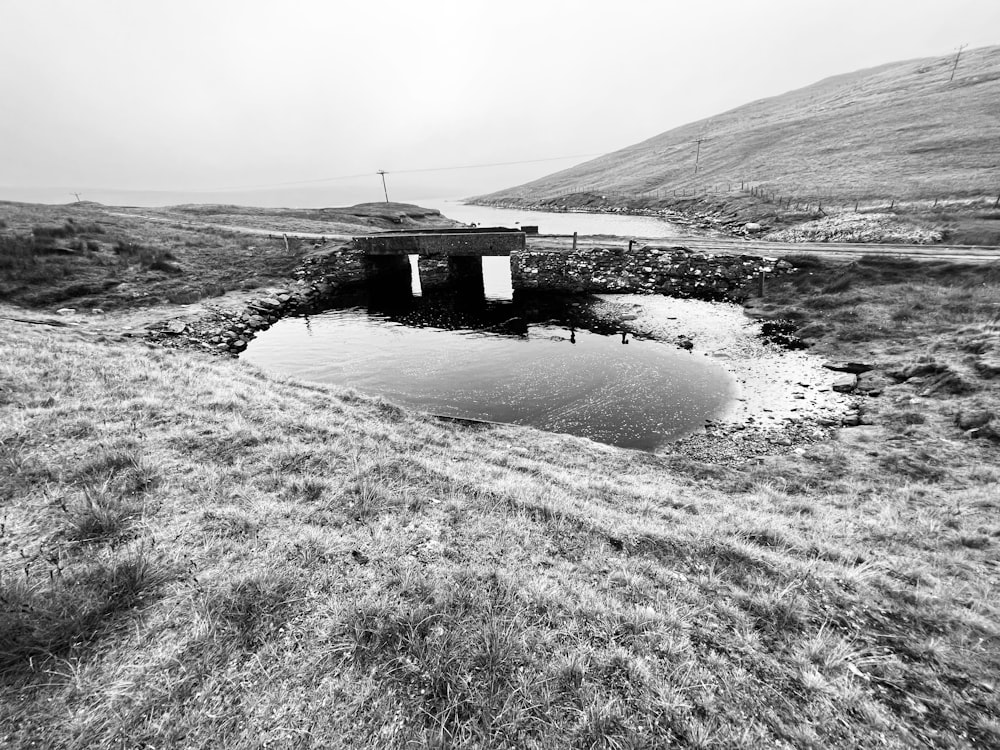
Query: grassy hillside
[(87, 255), (902, 130), (194, 553)]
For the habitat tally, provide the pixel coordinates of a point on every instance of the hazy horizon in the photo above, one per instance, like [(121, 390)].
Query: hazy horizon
[(231, 102)]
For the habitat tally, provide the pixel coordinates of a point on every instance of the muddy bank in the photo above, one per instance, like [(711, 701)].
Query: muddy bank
[(785, 398)]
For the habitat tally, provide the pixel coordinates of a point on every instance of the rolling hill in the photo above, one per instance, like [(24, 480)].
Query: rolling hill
[(904, 131)]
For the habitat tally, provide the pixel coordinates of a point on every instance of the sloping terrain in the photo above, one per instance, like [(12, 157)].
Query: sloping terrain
[(88, 255), (194, 553), (899, 131)]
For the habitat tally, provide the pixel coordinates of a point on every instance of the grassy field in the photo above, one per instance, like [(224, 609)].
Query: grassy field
[(87, 255), (194, 553), (899, 132)]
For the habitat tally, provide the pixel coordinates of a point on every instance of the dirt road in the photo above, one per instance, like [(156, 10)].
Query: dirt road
[(831, 250), (728, 245)]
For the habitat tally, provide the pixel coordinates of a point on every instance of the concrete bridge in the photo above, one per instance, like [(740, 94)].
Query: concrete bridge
[(444, 256)]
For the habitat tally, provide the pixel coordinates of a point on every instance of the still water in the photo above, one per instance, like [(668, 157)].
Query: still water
[(555, 223), (531, 360)]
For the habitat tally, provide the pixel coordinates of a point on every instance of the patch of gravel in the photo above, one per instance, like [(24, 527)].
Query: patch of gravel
[(857, 227), (783, 399)]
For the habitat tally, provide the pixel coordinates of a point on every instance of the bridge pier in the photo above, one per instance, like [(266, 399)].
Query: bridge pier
[(388, 272), (438, 271), (466, 272), (434, 271)]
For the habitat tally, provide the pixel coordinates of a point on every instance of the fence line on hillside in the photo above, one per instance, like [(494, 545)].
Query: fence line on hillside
[(819, 204)]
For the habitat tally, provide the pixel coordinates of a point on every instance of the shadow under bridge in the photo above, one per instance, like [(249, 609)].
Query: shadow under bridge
[(444, 257)]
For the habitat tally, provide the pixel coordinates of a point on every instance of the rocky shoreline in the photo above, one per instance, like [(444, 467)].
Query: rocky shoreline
[(786, 398), (768, 224), (227, 328), (707, 221)]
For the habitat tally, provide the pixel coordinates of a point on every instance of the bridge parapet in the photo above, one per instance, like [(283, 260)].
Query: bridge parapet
[(453, 242)]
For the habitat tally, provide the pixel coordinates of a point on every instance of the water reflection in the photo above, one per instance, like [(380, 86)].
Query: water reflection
[(539, 359)]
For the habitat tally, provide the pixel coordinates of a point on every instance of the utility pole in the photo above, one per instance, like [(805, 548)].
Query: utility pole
[(955, 66), (77, 196), (382, 172), (697, 155)]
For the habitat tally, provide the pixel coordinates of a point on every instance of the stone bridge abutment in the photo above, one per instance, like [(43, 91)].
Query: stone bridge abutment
[(450, 257)]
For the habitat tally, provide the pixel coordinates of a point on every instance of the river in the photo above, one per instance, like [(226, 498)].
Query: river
[(555, 223)]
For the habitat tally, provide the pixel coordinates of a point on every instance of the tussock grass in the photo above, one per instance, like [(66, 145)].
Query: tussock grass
[(43, 619), (90, 255), (307, 567), (99, 514)]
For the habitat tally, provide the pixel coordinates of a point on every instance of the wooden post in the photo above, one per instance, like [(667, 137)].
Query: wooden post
[(996, 203), (855, 206), (762, 283), (574, 240), (893, 204), (286, 243), (630, 245)]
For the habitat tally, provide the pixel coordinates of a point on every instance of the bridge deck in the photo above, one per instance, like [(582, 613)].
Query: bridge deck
[(449, 242)]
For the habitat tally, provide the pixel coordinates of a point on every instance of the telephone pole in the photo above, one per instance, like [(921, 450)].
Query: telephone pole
[(955, 66), (77, 196), (382, 172), (697, 155)]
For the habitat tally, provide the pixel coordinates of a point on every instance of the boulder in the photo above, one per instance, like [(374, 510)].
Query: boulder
[(176, 327), (973, 418), (987, 432), (845, 383), (855, 368)]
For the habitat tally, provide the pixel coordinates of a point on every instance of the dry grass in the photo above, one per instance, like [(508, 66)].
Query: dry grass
[(87, 255), (270, 563), (900, 131)]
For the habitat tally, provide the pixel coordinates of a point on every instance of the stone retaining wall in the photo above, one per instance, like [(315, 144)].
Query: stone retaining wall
[(673, 271)]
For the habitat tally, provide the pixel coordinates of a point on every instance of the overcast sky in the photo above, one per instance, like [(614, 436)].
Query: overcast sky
[(203, 94)]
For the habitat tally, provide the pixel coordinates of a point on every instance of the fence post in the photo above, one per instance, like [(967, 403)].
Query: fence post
[(996, 204), (893, 204), (574, 240), (762, 283)]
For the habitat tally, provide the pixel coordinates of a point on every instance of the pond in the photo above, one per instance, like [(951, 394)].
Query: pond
[(535, 359)]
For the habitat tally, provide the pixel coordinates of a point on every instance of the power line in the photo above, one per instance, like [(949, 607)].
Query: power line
[(396, 171)]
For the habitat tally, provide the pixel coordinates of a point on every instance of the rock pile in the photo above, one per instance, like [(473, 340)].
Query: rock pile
[(229, 330)]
